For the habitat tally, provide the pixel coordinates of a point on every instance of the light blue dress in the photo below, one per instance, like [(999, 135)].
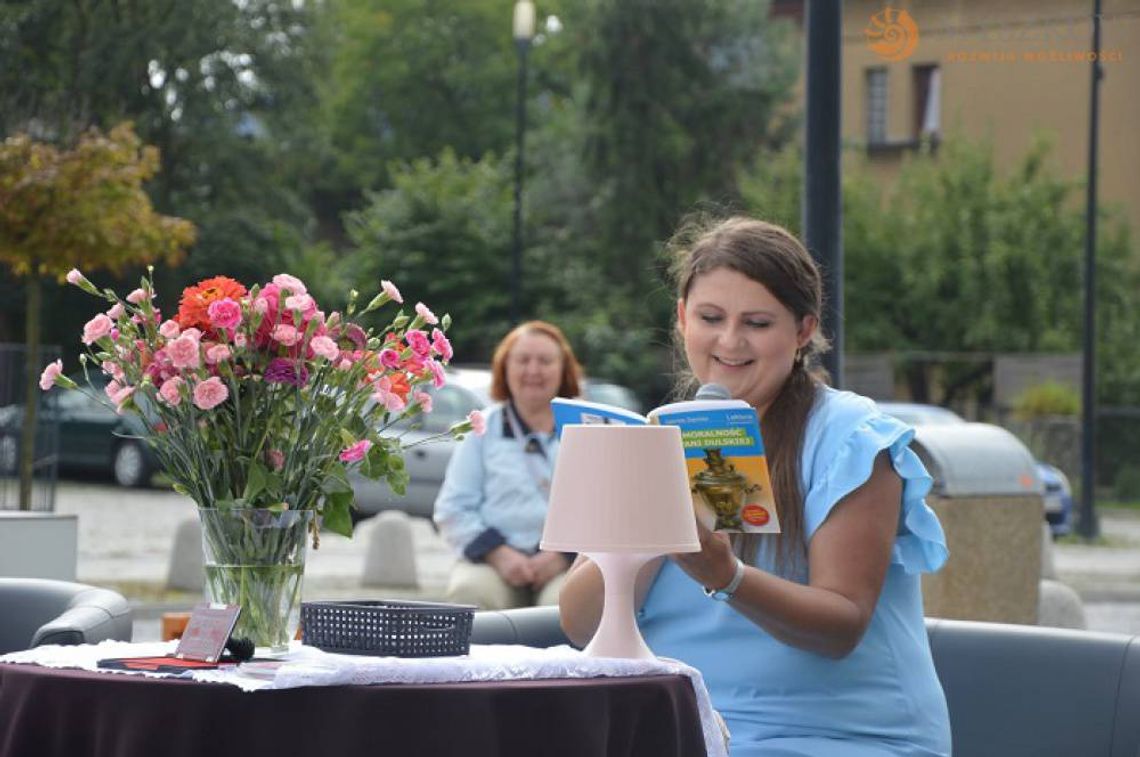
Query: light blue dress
[(882, 699)]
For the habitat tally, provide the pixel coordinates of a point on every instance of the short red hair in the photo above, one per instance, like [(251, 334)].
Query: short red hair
[(571, 369)]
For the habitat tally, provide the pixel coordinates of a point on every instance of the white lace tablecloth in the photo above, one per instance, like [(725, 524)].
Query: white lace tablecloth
[(308, 666)]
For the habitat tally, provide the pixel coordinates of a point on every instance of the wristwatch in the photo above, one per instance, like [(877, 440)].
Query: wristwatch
[(725, 594)]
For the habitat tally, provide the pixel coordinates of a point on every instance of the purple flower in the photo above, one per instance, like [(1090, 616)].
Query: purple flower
[(285, 371)]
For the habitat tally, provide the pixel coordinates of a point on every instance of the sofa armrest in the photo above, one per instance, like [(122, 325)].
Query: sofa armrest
[(529, 626), (90, 617)]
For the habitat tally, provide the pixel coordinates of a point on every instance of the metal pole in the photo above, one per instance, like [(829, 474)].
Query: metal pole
[(1089, 528), (523, 46), (822, 202)]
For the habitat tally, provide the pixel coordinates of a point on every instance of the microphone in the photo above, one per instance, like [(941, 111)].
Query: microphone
[(712, 392)]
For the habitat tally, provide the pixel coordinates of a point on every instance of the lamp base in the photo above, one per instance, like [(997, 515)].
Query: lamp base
[(618, 634)]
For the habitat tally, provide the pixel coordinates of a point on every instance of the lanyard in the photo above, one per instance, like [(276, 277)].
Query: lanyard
[(541, 480)]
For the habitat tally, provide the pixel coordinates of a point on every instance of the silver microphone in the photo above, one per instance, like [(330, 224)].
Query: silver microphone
[(713, 392)]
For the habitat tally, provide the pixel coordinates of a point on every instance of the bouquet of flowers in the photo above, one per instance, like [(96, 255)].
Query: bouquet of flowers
[(257, 398)]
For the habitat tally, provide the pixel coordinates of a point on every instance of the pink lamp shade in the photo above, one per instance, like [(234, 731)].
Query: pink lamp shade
[(620, 489), (620, 496)]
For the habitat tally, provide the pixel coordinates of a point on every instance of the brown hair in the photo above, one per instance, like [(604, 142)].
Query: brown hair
[(570, 385), (772, 256)]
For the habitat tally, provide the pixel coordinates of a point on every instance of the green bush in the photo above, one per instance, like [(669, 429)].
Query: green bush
[(1126, 488), (1046, 399)]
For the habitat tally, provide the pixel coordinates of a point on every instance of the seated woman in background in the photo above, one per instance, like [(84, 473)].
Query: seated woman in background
[(811, 641), (493, 502)]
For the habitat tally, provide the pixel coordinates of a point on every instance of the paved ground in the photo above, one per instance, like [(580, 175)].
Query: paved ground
[(126, 538)]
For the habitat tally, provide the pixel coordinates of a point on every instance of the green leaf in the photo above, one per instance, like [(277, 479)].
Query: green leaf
[(398, 480), (337, 515), (257, 480)]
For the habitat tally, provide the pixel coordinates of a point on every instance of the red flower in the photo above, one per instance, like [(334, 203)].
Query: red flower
[(196, 300)]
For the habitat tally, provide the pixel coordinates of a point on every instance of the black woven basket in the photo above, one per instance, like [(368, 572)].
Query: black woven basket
[(387, 627)]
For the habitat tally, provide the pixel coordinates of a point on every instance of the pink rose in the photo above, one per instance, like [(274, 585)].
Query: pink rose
[(389, 358), (478, 422), (120, 398), (113, 369), (97, 328), (239, 341), (224, 313), (51, 372), (111, 388), (292, 283), (171, 391), (116, 311), (300, 302), (210, 393), (424, 312), (217, 354), (286, 334), (184, 351), (169, 329), (356, 452), (424, 400), (325, 347), (136, 297), (384, 395), (261, 305), (392, 292), (438, 377), (441, 345), (419, 343)]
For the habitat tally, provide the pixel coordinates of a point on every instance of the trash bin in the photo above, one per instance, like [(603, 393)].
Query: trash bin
[(989, 498)]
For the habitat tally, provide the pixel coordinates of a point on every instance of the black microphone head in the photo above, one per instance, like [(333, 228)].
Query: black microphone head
[(240, 647), (713, 392)]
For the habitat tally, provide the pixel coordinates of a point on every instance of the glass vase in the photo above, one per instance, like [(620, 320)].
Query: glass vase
[(256, 558)]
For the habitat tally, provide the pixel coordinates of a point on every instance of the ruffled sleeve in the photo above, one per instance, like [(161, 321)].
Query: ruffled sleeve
[(848, 438)]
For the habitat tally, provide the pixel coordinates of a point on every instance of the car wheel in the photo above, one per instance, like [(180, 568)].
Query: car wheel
[(9, 452), (130, 466)]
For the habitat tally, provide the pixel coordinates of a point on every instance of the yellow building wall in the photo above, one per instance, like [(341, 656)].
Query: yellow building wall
[(1010, 94)]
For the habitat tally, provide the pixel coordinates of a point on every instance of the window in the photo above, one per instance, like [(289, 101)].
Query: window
[(876, 106), (927, 101)]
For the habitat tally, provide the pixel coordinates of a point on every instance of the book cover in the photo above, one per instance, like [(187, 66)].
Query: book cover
[(728, 470), (724, 453)]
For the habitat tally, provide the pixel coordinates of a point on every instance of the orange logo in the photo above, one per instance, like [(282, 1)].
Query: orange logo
[(755, 515), (892, 34)]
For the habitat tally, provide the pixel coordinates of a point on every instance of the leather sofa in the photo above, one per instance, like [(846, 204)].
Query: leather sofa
[(36, 611), (1012, 691)]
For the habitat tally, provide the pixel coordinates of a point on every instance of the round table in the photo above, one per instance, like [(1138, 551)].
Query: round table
[(49, 712)]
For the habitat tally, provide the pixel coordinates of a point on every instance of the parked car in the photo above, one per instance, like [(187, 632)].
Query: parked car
[(468, 388), (93, 438), (1058, 493)]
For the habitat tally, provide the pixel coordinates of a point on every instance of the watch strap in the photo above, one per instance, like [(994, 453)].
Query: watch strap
[(726, 593)]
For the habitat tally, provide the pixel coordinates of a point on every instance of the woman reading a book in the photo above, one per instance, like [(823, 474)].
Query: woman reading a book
[(811, 641), (493, 502)]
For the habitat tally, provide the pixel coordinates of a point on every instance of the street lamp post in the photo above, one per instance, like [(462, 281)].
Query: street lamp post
[(523, 27)]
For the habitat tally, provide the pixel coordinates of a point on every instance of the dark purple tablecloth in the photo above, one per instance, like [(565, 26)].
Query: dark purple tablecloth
[(47, 712)]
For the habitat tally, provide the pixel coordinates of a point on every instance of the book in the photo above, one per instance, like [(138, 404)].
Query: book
[(724, 454)]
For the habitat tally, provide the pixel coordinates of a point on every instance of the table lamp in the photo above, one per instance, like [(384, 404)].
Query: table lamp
[(620, 495)]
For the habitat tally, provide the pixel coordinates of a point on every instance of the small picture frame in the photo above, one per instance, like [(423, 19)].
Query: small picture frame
[(207, 632)]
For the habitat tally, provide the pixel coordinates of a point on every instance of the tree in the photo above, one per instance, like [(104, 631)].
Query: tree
[(227, 92), (80, 208), (679, 94), (442, 231), (956, 257)]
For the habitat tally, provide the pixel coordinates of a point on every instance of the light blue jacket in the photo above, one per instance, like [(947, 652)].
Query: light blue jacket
[(492, 494)]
